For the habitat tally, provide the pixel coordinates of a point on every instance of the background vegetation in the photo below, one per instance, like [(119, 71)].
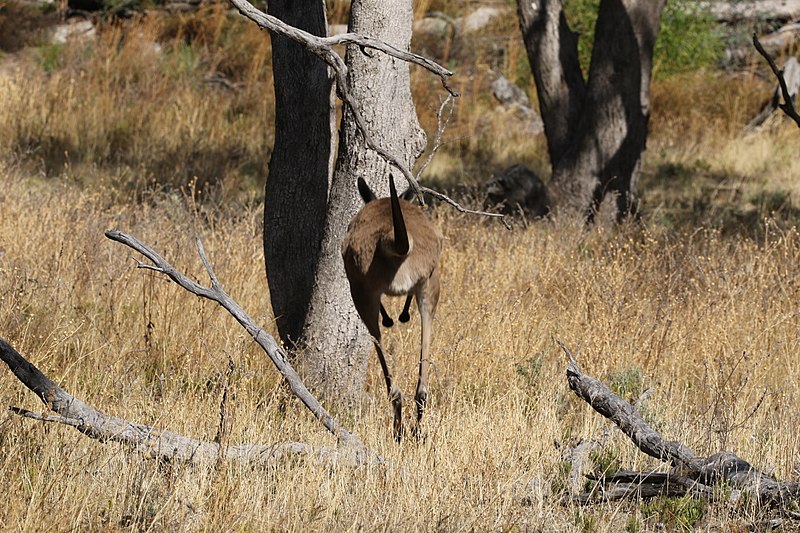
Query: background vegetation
[(162, 127)]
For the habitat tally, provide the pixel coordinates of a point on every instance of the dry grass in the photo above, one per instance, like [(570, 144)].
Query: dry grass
[(142, 105), (709, 322), (707, 317)]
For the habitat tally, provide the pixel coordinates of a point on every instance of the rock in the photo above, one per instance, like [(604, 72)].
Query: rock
[(514, 103), (432, 27), (480, 18), (518, 189), (508, 93), (737, 10), (74, 29)]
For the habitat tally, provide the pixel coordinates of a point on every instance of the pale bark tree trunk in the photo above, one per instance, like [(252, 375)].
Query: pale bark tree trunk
[(296, 193), (331, 345), (336, 345), (596, 131)]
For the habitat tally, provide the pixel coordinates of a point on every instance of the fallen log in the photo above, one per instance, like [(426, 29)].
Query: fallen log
[(167, 445), (689, 473), (747, 10)]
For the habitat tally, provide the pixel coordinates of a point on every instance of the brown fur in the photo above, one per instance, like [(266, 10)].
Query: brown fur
[(374, 268)]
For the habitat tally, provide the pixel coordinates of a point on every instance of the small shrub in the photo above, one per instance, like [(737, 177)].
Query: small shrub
[(51, 56), (627, 383), (688, 38), (681, 514)]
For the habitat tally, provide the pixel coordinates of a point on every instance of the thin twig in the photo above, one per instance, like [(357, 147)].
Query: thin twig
[(461, 208), (787, 106), (67, 421), (207, 265), (441, 125), (224, 428)]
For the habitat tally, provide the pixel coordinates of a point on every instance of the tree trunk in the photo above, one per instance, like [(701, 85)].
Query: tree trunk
[(553, 54), (335, 344), (296, 193), (599, 130)]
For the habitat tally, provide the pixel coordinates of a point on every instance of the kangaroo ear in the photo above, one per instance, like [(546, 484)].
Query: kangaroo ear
[(366, 193), (401, 243)]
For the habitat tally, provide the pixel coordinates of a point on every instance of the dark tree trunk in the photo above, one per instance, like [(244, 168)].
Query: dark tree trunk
[(296, 193), (598, 130), (553, 54)]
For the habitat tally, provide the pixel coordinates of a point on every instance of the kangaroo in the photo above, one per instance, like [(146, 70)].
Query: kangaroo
[(391, 247)]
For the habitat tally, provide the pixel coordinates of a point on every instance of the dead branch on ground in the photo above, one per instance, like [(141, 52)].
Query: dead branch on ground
[(690, 474), (151, 442), (156, 443)]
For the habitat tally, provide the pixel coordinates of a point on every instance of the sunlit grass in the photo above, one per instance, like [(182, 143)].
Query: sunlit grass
[(698, 302), (708, 321)]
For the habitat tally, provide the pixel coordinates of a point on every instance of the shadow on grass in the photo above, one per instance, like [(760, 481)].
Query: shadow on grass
[(681, 196)]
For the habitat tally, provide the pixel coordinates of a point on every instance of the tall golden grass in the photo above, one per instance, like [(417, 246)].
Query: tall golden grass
[(709, 322), (145, 105), (705, 316)]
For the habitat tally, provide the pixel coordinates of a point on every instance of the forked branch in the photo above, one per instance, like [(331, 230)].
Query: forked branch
[(217, 294), (322, 47), (690, 473)]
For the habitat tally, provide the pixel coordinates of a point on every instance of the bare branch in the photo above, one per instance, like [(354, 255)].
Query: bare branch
[(276, 354), (787, 106), (148, 440), (623, 414), (462, 209), (322, 47), (626, 484), (207, 265), (441, 124), (719, 467), (25, 413)]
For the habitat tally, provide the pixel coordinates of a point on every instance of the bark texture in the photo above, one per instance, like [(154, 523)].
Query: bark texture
[(335, 344), (296, 192), (596, 131)]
